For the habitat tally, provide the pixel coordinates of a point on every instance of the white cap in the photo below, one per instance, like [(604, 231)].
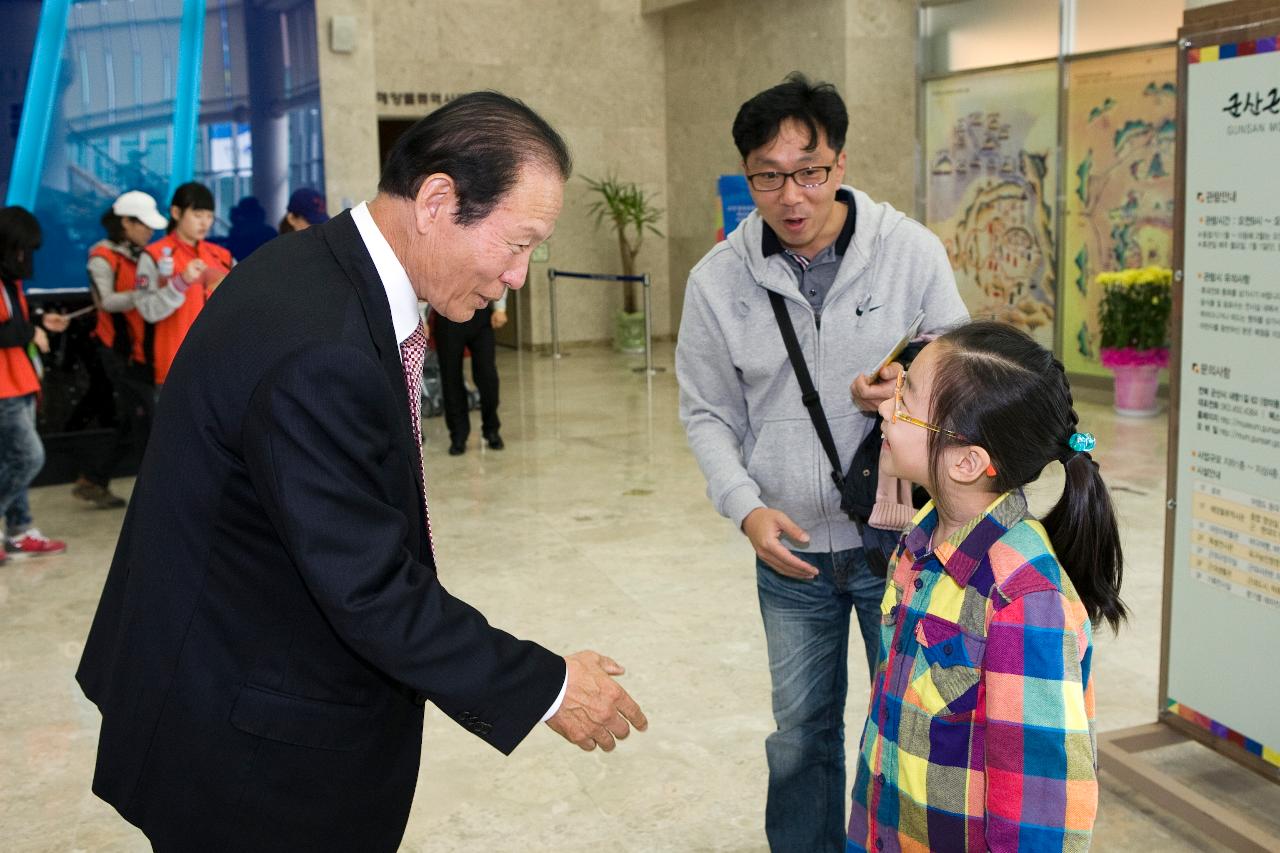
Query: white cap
[(141, 207)]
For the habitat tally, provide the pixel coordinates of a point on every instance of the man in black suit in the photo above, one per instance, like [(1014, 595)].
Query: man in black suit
[(272, 622), (452, 341)]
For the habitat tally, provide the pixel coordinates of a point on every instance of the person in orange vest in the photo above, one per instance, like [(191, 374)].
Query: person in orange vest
[(21, 452), (180, 270), (121, 332)]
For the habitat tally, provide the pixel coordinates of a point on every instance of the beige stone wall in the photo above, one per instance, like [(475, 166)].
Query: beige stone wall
[(879, 88), (348, 110), (593, 68), (646, 88), (719, 53)]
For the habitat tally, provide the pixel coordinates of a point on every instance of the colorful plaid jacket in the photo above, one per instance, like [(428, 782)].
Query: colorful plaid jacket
[(980, 731)]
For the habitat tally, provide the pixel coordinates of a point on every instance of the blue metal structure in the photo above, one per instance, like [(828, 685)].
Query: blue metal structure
[(126, 95), (186, 101), (38, 107)]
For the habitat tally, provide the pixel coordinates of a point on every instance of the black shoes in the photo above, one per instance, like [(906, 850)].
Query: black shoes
[(457, 448), (98, 495)]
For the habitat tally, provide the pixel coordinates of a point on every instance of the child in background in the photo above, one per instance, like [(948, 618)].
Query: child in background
[(21, 451), (112, 267), (980, 733), (183, 269)]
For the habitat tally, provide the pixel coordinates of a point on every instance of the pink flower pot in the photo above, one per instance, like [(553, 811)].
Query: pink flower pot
[(1136, 386)]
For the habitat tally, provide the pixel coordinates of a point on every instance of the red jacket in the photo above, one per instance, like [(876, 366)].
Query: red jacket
[(127, 324), (17, 374), (172, 330)]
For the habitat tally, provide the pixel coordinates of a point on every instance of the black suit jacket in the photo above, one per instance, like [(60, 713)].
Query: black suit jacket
[(272, 619)]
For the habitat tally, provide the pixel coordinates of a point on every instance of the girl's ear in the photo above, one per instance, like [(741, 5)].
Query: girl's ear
[(969, 465)]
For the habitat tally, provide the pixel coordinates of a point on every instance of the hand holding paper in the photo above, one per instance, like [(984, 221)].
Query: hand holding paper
[(912, 331), (871, 389)]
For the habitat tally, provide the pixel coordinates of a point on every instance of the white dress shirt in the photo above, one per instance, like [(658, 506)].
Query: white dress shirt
[(404, 316)]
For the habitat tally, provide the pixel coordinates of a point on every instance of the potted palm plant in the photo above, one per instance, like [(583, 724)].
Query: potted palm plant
[(1134, 316), (629, 209)]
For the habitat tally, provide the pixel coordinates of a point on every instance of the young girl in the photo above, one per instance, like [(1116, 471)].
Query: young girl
[(182, 268), (980, 731)]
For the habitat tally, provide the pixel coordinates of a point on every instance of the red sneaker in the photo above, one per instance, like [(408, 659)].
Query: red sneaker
[(32, 543)]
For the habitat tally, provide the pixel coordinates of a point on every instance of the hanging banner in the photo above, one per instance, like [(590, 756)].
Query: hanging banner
[(989, 187), (1120, 144)]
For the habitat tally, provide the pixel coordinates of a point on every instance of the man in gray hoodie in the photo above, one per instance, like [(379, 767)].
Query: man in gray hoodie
[(853, 274)]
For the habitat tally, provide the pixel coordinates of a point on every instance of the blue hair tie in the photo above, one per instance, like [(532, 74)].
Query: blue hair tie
[(1082, 442)]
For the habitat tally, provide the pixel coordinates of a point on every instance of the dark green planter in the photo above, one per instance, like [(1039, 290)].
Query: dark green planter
[(628, 331)]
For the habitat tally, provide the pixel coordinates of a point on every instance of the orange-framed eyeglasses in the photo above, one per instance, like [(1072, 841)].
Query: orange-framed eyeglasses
[(900, 415)]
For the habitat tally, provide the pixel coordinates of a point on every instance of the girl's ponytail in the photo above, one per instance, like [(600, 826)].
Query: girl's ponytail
[(1085, 536), (1011, 396)]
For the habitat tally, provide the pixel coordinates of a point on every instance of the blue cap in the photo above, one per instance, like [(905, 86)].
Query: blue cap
[(308, 204)]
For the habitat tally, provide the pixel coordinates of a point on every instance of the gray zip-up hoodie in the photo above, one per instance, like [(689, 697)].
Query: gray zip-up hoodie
[(739, 398)]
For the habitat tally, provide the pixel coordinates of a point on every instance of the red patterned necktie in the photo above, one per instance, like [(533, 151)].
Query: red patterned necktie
[(412, 353)]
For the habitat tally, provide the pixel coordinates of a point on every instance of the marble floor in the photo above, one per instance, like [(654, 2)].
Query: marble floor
[(591, 530)]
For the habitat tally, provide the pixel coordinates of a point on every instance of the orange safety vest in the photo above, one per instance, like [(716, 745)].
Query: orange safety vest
[(169, 333), (122, 331), (17, 373)]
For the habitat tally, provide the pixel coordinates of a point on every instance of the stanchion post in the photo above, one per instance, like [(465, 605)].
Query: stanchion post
[(555, 327), (648, 369), (648, 328)]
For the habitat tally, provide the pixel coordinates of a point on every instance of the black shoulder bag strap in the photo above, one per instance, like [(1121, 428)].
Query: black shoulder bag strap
[(808, 394)]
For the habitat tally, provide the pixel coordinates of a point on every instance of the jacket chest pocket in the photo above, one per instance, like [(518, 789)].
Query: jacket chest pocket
[(948, 667)]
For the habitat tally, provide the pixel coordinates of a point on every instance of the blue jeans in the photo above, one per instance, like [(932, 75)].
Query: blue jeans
[(21, 458), (806, 625)]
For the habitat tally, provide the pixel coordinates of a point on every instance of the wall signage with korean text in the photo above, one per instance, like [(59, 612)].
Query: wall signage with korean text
[(430, 100)]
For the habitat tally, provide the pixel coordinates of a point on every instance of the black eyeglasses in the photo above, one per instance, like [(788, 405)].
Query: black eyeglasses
[(806, 178)]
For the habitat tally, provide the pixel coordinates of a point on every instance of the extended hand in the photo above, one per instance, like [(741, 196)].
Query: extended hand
[(868, 395), (765, 528), (41, 340), (499, 319), (596, 710), (191, 274)]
